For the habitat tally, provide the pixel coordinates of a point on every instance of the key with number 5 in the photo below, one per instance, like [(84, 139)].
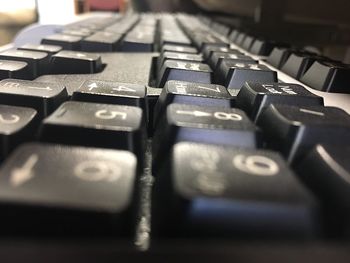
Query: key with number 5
[(74, 190), (98, 125), (211, 190)]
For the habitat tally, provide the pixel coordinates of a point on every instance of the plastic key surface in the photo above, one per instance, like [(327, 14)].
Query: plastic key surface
[(67, 190)]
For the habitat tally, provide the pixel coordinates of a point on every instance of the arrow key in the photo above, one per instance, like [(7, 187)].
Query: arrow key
[(72, 62), (44, 97), (74, 190), (213, 125)]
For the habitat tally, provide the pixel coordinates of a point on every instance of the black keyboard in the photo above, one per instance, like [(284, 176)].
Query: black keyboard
[(151, 136)]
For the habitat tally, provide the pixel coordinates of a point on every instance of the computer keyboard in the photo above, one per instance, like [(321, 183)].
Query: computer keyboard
[(152, 136)]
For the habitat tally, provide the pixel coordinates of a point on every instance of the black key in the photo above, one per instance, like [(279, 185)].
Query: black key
[(73, 190), (262, 47), (214, 125), (236, 74), (217, 57), (101, 42), (138, 41), (253, 98), (295, 130), (49, 49), (193, 94), (202, 41), (279, 56), (298, 63), (75, 62), (233, 35), (209, 50), (17, 125), (98, 125), (111, 92), (196, 58), (240, 38), (36, 60), (44, 97), (208, 190), (248, 42), (182, 70), (67, 42), (80, 32), (180, 49), (326, 169), (15, 70), (328, 76)]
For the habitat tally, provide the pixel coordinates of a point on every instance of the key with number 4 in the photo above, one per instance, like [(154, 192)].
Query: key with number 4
[(74, 190), (211, 190), (99, 125)]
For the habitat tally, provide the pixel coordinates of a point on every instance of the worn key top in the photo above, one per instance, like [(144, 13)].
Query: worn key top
[(36, 60), (98, 125), (67, 190), (179, 49), (217, 57), (67, 42), (253, 98), (17, 125), (73, 62), (193, 94), (328, 76), (206, 190), (14, 70), (185, 71), (214, 125), (179, 56), (295, 130), (44, 97), (111, 92)]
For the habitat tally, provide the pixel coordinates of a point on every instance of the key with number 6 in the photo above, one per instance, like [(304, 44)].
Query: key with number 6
[(74, 190)]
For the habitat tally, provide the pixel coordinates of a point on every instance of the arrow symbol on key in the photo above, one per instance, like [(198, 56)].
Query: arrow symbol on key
[(23, 174), (92, 86), (195, 113)]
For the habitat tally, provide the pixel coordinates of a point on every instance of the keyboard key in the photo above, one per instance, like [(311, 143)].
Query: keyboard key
[(110, 92), (209, 190), (217, 57), (295, 130), (298, 63), (44, 97), (97, 125), (180, 49), (248, 42), (185, 71), (326, 169), (36, 60), (328, 76), (253, 98), (262, 47), (202, 41), (279, 56), (236, 74), (179, 56), (14, 70), (209, 50), (67, 190), (72, 62), (101, 42), (193, 94), (138, 41), (17, 125), (49, 49), (214, 125), (67, 42)]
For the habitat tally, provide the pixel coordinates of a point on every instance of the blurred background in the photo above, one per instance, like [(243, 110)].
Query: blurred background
[(324, 24)]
